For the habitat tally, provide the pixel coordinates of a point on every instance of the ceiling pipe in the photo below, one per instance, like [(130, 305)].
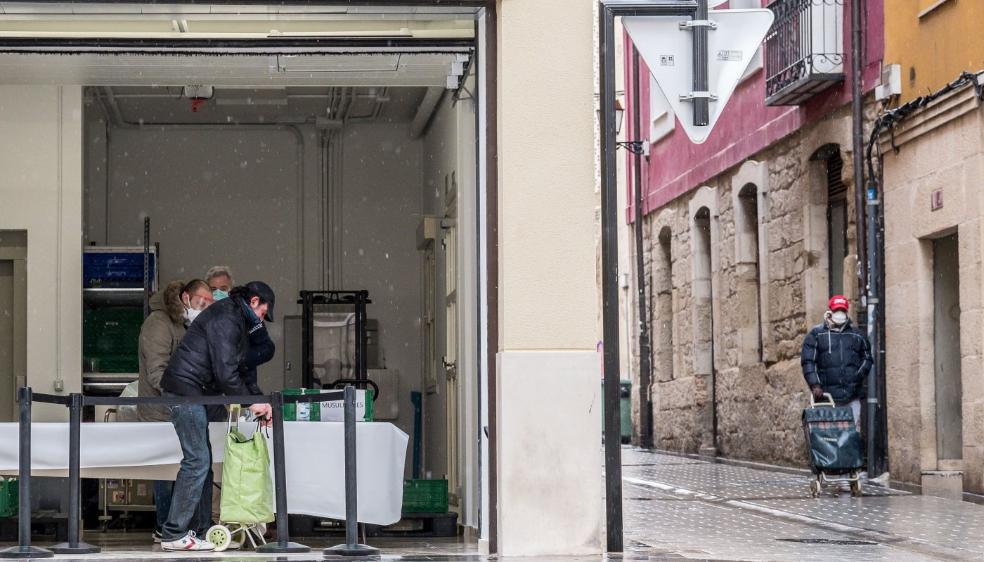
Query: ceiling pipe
[(428, 106)]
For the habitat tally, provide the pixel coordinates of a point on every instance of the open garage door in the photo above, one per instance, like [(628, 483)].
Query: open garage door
[(337, 126)]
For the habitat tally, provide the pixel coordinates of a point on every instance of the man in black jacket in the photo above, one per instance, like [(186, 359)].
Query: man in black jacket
[(211, 359), (836, 358)]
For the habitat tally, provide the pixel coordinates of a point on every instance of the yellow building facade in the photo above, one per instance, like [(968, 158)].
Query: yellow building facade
[(934, 212), (933, 41)]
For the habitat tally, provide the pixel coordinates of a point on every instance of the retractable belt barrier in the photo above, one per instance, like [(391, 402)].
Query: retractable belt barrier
[(75, 402)]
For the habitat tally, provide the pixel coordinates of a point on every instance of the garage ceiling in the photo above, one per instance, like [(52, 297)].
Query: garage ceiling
[(93, 69), (149, 106)]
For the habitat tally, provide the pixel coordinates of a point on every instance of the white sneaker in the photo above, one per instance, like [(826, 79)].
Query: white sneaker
[(187, 543)]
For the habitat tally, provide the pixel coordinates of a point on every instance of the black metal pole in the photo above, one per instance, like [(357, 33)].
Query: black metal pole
[(146, 267), (609, 258), (645, 337), (73, 546), (702, 108), (24, 548), (359, 327), (307, 338), (351, 546), (364, 340), (283, 544)]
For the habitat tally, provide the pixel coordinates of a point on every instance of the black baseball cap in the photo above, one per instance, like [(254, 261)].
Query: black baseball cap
[(262, 290)]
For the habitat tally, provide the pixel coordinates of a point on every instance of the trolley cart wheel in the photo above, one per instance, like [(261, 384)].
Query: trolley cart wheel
[(220, 536), (815, 489), (856, 488)]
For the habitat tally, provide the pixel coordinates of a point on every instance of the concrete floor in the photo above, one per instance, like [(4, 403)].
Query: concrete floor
[(138, 546)]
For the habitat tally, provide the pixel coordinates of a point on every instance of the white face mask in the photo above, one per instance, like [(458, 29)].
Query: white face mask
[(839, 317), (190, 314)]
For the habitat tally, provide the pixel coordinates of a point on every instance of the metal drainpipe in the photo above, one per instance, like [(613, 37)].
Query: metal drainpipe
[(864, 212), (645, 341)]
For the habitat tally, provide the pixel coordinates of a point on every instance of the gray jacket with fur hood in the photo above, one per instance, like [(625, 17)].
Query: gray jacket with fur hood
[(159, 337)]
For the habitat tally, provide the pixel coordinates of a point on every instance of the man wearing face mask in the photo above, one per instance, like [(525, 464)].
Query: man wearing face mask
[(261, 347), (836, 358), (219, 279), (208, 361), (172, 310)]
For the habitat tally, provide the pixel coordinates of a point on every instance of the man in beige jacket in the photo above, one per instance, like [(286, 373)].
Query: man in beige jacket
[(172, 310)]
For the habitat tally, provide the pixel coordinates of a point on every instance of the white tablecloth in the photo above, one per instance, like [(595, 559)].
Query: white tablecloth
[(314, 460)]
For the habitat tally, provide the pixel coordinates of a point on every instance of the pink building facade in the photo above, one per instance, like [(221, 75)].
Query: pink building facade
[(745, 236)]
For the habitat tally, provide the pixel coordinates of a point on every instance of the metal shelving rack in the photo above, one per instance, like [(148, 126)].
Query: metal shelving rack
[(130, 295), (358, 300)]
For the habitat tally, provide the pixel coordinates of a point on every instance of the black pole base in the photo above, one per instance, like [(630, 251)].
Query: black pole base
[(26, 552), (81, 548), (277, 548), (351, 550)]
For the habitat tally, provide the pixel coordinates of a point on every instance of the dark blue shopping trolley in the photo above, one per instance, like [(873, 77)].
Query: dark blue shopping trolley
[(834, 446)]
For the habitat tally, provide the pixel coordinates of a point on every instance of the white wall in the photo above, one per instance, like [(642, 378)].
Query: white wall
[(449, 148), (439, 161), (231, 195), (215, 195), (381, 199), (41, 191)]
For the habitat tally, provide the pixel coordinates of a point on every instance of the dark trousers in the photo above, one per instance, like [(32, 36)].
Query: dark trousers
[(191, 500), (162, 501)]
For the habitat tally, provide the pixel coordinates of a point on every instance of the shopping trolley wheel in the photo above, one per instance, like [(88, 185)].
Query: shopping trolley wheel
[(815, 489), (220, 536), (856, 487)]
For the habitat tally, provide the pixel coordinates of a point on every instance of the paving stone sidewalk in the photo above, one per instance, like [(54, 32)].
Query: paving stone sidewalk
[(680, 507)]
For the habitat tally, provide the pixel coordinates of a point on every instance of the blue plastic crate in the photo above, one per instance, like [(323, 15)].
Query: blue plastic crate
[(114, 269)]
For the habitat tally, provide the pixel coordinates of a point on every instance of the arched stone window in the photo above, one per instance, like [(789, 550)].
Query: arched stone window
[(663, 290), (704, 290), (749, 188)]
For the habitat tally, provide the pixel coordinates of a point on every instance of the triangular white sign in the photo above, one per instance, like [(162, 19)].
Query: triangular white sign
[(668, 52)]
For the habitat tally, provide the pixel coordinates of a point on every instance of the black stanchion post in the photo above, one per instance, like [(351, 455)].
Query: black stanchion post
[(73, 546), (283, 544), (351, 546), (24, 548)]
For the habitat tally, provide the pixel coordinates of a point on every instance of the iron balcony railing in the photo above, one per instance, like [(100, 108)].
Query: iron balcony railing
[(804, 50)]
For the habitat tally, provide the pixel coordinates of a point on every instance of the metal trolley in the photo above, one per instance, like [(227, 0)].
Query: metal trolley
[(834, 446)]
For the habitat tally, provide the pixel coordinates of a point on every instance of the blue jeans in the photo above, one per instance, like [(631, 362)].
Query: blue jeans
[(162, 501), (191, 500)]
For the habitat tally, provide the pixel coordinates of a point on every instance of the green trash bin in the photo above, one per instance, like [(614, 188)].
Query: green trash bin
[(625, 405), (625, 409)]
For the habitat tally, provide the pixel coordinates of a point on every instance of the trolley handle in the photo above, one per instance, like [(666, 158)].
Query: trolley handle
[(340, 383), (828, 402)]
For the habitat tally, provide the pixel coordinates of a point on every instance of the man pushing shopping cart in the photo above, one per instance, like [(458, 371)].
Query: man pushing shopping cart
[(835, 358)]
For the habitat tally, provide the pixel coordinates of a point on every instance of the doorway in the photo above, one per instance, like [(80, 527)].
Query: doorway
[(13, 319), (946, 349)]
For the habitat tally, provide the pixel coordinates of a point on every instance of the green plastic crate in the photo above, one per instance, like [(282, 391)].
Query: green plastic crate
[(111, 331), (9, 496), (111, 363), (425, 496)]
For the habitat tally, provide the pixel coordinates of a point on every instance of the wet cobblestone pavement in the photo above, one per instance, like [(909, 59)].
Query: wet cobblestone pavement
[(678, 507)]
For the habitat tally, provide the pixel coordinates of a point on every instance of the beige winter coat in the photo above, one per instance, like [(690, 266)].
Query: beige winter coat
[(159, 337)]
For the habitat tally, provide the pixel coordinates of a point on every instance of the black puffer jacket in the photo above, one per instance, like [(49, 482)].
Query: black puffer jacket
[(261, 350), (210, 358), (837, 360)]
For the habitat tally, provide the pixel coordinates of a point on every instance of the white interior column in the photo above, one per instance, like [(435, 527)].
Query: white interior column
[(41, 192)]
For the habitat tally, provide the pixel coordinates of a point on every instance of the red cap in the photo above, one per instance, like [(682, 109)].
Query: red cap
[(838, 302)]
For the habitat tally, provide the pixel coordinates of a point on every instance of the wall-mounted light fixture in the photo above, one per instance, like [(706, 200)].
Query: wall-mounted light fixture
[(636, 146)]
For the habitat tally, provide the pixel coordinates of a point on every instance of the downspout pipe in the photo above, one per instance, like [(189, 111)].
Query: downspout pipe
[(645, 339), (865, 207)]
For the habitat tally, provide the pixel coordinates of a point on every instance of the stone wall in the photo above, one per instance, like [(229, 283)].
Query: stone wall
[(940, 149), (750, 406)]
